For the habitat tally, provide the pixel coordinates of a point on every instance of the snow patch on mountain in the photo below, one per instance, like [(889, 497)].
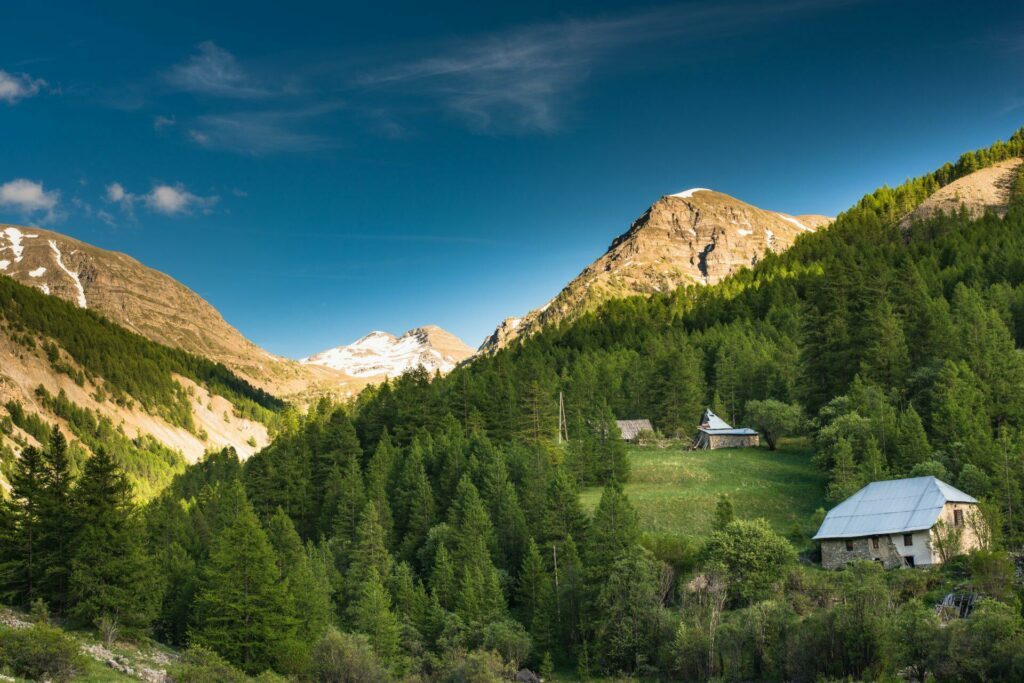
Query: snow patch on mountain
[(74, 276), (686, 194), (14, 237), (38, 272), (381, 354), (794, 222)]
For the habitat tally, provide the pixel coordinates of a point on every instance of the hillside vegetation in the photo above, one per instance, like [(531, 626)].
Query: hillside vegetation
[(435, 528)]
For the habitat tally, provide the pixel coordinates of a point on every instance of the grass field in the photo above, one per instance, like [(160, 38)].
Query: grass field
[(675, 490)]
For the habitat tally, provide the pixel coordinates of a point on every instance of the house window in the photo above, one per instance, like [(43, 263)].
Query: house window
[(874, 542), (958, 517), (849, 544), (908, 539)]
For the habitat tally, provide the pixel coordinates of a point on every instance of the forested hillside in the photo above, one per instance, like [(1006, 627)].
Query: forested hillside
[(151, 407), (434, 528)]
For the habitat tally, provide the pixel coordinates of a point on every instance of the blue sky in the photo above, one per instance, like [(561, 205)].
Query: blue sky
[(319, 170)]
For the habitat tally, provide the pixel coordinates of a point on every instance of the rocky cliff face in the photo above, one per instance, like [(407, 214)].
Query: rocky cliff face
[(147, 302), (987, 189), (380, 354), (694, 237)]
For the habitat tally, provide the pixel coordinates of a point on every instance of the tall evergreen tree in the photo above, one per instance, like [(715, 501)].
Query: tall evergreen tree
[(112, 575), (241, 609)]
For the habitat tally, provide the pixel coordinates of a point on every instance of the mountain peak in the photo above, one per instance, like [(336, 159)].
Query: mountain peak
[(381, 354), (697, 236)]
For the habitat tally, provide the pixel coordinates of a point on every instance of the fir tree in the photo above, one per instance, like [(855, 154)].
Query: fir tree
[(112, 576), (241, 609)]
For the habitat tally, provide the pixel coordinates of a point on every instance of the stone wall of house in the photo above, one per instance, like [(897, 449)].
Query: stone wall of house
[(834, 554), (732, 441)]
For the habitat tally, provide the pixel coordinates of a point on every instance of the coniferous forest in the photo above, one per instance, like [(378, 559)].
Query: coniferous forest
[(432, 529)]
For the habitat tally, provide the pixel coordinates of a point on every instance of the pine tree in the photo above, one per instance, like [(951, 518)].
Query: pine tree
[(911, 444), (370, 553), (241, 609), (380, 478), (442, 579), (474, 532), (350, 502), (307, 585), (370, 613), (56, 527), (872, 465), (112, 576), (845, 480), (22, 569), (530, 583), (414, 504), (563, 515), (614, 532), (508, 517)]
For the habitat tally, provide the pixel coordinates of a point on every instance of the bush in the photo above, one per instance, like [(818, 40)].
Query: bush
[(200, 665), (41, 652), (345, 658)]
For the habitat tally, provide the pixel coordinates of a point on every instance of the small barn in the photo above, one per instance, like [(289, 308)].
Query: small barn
[(895, 523), (632, 430), (714, 432)]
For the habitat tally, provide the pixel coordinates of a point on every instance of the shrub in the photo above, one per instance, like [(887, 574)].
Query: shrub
[(345, 658), (41, 652), (200, 665)]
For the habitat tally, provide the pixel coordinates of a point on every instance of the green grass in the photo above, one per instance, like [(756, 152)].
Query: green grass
[(675, 490)]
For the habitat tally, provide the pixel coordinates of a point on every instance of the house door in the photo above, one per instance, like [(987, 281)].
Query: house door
[(909, 559)]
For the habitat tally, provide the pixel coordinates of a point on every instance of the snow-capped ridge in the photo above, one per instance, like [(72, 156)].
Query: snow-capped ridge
[(381, 354)]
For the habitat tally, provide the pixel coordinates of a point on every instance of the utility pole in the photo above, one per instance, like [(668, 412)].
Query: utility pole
[(563, 425)]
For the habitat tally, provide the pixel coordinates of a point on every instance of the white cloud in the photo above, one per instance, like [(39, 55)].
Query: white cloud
[(116, 193), (16, 87), (161, 122), (212, 70), (29, 197), (169, 200), (172, 200)]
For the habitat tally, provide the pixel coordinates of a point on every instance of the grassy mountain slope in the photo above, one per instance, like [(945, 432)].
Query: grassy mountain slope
[(153, 406)]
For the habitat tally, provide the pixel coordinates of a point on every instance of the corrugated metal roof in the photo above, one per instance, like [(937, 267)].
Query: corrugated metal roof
[(891, 507), (630, 428), (712, 421)]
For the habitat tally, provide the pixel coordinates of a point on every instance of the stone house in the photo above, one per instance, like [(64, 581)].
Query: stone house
[(899, 523), (634, 430), (714, 432)]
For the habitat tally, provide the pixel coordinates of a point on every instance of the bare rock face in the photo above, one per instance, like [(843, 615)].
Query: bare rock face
[(694, 237), (978, 192), (145, 301)]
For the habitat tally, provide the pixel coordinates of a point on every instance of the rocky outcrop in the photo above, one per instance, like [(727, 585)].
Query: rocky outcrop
[(694, 237)]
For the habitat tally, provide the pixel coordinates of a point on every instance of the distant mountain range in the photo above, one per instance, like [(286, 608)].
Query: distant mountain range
[(380, 354)]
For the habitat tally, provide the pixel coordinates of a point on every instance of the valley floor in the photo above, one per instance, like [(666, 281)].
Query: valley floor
[(675, 490)]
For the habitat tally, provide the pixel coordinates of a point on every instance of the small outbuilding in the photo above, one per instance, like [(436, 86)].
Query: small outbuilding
[(632, 430), (714, 432), (897, 523)]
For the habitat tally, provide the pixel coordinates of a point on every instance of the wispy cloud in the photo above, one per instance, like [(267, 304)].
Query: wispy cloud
[(161, 122), (29, 198), (263, 132), (17, 87), (212, 70), (523, 79)]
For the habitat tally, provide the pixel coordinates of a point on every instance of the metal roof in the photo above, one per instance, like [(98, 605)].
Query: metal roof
[(731, 431), (630, 428), (891, 507), (712, 421)]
